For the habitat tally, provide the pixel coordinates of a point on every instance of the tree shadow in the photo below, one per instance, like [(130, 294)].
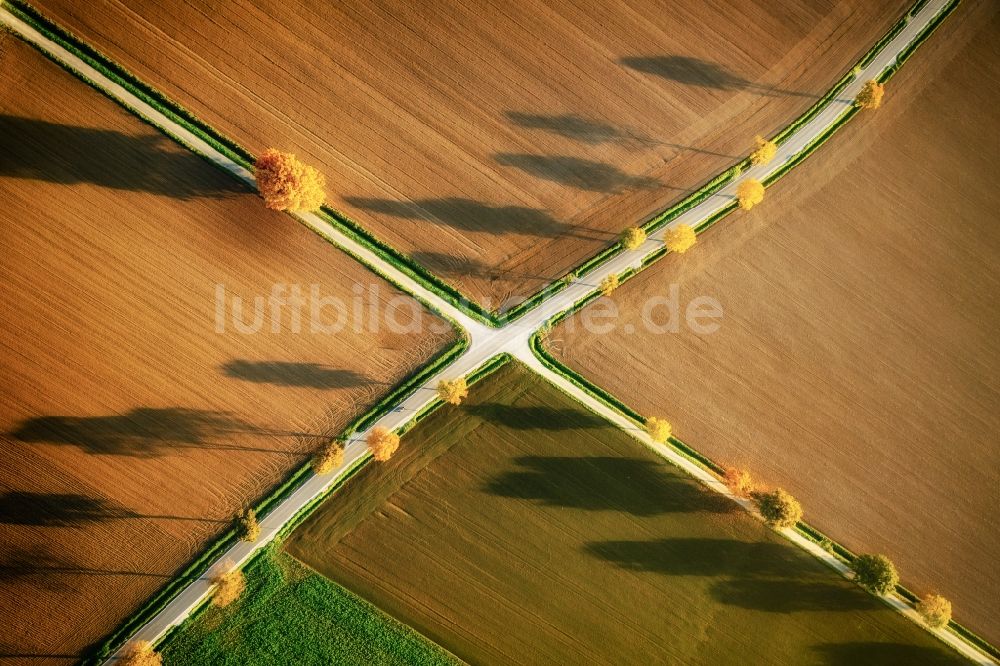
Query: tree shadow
[(14, 652), (145, 431), (699, 556), (576, 172), (702, 73), (604, 483), (287, 373), (872, 653), (536, 418), (66, 154), (792, 596), (578, 128), (469, 215), (41, 568), (56, 509)]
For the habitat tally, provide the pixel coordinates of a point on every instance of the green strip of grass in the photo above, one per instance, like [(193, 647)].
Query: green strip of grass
[(292, 615)]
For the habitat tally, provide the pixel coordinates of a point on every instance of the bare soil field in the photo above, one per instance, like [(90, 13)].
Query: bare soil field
[(857, 360), (499, 143), (521, 529), (131, 429)]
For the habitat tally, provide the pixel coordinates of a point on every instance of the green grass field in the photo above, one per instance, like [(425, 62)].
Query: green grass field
[(291, 615)]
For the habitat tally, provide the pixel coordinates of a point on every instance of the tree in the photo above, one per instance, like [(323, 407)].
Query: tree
[(287, 184), (659, 429), (765, 152), (871, 95), (140, 653), (633, 237), (383, 443), (780, 510), (680, 238), (247, 525), (875, 573), (609, 284), (739, 481), (935, 610), (329, 457), (453, 392), (228, 585), (750, 193)]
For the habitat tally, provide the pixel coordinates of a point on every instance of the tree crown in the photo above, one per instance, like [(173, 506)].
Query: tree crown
[(288, 184)]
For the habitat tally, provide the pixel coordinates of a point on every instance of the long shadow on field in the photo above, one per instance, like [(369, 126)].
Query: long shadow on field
[(470, 215), (702, 73), (39, 150), (56, 509), (595, 132), (146, 431), (577, 128), (605, 483), (69, 509), (576, 172), (879, 654), (287, 373), (790, 596), (699, 556), (536, 418), (15, 652), (38, 567)]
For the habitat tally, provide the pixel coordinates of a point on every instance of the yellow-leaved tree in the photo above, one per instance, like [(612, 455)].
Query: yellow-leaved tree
[(680, 238), (750, 193), (247, 525), (329, 457), (140, 653), (871, 95), (229, 585), (288, 184), (765, 151), (453, 391), (935, 610), (383, 443), (659, 429), (633, 237), (739, 481), (609, 284)]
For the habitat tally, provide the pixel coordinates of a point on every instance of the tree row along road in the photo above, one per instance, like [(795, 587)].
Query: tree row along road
[(486, 342)]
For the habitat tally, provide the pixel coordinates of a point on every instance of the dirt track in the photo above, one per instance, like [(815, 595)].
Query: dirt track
[(498, 143), (131, 429), (856, 364)]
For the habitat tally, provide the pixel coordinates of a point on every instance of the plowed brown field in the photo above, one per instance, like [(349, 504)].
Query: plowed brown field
[(857, 361), (521, 529), (500, 143), (132, 430)]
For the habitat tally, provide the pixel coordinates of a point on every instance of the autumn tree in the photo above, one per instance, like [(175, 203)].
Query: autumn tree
[(453, 391), (871, 95), (659, 429), (935, 610), (750, 193), (383, 443), (609, 284), (229, 585), (765, 151), (140, 653), (875, 573), (633, 237), (329, 457), (680, 238), (779, 509), (288, 184), (247, 525), (739, 481)]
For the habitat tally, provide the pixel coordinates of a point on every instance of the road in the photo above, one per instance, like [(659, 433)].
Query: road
[(486, 342)]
